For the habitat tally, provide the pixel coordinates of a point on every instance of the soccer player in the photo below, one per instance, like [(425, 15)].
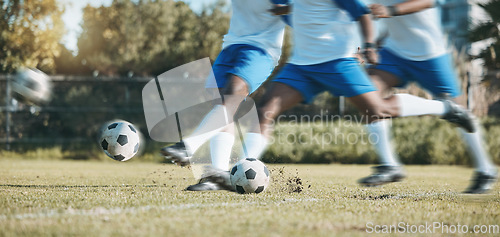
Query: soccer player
[(322, 60), (251, 50), (414, 51)]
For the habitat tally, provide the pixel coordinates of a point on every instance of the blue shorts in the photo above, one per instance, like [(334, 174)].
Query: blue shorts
[(342, 77), (250, 63), (435, 75)]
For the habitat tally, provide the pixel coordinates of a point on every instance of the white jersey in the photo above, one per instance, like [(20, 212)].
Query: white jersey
[(417, 36), (324, 30), (253, 24)]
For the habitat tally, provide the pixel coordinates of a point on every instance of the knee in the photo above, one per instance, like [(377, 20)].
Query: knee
[(268, 110), (236, 86), (377, 112)]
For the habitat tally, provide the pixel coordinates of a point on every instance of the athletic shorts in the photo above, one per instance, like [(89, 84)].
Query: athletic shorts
[(250, 63), (435, 75), (342, 77)]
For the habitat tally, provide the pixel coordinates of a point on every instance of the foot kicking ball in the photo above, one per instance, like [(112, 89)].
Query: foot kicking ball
[(249, 176), (120, 140)]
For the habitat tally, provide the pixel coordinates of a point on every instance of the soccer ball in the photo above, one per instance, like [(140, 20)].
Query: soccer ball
[(32, 86), (120, 140), (249, 176)]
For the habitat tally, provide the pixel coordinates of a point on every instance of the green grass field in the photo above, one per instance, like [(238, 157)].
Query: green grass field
[(95, 198)]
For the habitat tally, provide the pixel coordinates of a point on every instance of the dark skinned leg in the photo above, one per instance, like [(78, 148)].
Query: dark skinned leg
[(235, 86), (373, 106), (384, 81), (279, 98)]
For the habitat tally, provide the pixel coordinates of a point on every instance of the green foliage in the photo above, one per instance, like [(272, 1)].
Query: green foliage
[(148, 37), (489, 30), (30, 34), (425, 140), (67, 64)]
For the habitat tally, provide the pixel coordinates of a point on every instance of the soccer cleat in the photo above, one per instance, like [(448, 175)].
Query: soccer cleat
[(383, 174), (213, 179), (460, 116), (217, 176), (204, 186), (177, 154), (482, 182)]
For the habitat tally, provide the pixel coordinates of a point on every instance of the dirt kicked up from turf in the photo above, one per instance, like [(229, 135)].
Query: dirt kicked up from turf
[(283, 179), (288, 182)]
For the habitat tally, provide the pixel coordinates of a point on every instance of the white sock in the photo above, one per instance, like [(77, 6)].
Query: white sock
[(221, 146), (482, 159), (213, 123), (255, 145), (415, 106), (384, 145)]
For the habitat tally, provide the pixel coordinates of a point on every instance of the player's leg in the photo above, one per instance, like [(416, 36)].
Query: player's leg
[(221, 148), (437, 76), (345, 77), (222, 143), (377, 109), (486, 173), (407, 70), (216, 177), (389, 169), (213, 122), (239, 69), (221, 138), (358, 88), (180, 153), (279, 98), (393, 72), (384, 81), (251, 70), (290, 87)]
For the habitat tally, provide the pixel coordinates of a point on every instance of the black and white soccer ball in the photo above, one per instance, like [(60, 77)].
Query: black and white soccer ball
[(249, 176), (120, 140), (32, 86)]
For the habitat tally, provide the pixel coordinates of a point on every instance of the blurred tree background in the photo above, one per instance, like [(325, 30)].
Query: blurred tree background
[(489, 30), (122, 45), (119, 48), (487, 33), (148, 37), (143, 37), (30, 34)]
